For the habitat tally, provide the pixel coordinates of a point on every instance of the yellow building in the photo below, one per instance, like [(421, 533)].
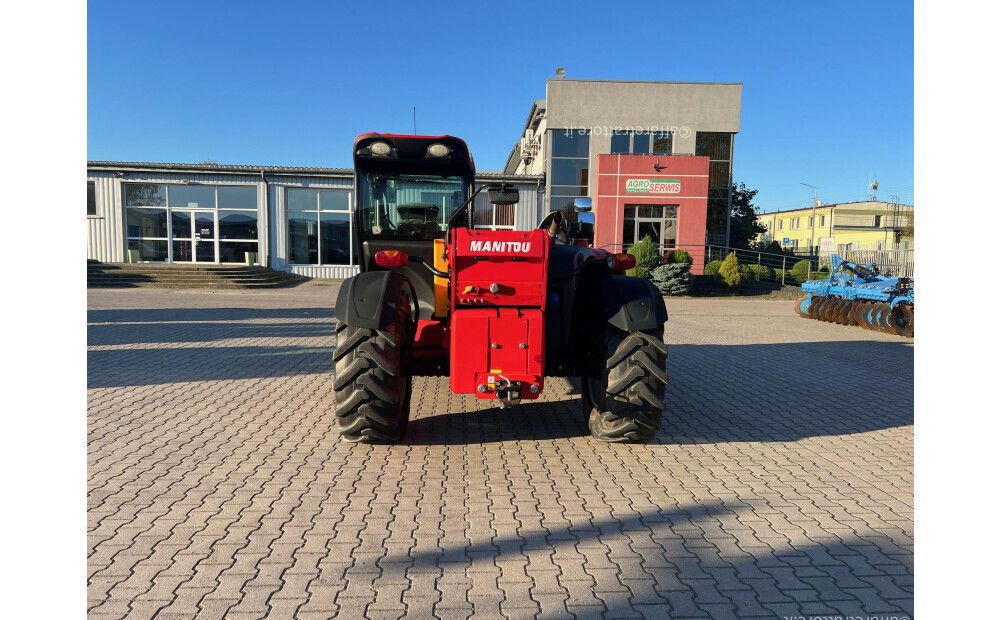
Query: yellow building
[(868, 223)]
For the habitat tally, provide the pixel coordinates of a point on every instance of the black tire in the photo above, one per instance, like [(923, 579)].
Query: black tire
[(371, 386), (625, 403)]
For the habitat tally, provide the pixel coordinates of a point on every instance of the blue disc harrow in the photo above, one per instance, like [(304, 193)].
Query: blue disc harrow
[(860, 295)]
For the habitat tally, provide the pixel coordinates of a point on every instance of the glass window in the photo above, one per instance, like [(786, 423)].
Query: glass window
[(236, 225), (180, 223), (317, 235), (570, 172), (303, 242), (335, 201), (822, 220), (810, 224), (145, 195), (146, 222), (91, 198), (570, 143), (716, 218), (781, 224), (663, 143), (640, 145), (620, 143), (718, 174), (395, 207), (716, 145), (192, 196), (149, 249), (335, 238), (233, 251), (237, 197), (301, 199)]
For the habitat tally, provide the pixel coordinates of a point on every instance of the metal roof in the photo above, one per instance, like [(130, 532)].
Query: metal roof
[(256, 170), (832, 205), (248, 169)]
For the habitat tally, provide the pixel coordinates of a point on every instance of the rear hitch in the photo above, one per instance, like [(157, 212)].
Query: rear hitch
[(508, 392)]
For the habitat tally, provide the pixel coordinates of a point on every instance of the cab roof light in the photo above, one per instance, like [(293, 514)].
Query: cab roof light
[(380, 149), (438, 150)]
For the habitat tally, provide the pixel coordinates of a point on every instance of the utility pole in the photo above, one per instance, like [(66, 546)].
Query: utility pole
[(812, 229)]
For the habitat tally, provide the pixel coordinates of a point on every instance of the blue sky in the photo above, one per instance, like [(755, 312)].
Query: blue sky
[(827, 88)]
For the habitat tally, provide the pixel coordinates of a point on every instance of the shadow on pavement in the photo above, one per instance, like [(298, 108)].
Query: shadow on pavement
[(728, 393), (686, 561)]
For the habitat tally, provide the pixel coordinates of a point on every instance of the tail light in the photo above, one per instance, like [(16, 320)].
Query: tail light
[(621, 262), (394, 258)]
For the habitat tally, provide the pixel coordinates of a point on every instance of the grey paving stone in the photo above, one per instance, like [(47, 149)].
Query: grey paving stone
[(217, 484)]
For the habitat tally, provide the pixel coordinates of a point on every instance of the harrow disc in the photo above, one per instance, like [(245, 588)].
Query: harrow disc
[(882, 321), (849, 316), (813, 309), (902, 321), (865, 312), (802, 307), (826, 310), (844, 313), (834, 315)]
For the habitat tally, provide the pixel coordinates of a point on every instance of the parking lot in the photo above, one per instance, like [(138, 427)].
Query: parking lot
[(218, 488)]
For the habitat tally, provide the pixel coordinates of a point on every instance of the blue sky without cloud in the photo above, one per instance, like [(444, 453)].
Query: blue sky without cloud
[(827, 88)]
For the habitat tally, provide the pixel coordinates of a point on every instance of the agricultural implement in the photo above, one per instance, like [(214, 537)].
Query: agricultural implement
[(860, 295), (497, 311)]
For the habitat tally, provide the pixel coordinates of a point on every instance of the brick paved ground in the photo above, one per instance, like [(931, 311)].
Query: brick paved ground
[(218, 487)]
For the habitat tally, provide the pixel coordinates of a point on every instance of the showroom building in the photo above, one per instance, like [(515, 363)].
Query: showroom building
[(292, 219)]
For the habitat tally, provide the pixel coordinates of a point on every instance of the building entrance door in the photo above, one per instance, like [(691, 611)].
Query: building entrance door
[(657, 221), (193, 238)]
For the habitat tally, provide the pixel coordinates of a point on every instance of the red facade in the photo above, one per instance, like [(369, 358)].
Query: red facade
[(680, 186)]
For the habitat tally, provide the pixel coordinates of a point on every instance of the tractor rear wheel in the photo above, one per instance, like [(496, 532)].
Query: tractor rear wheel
[(371, 386), (625, 403)]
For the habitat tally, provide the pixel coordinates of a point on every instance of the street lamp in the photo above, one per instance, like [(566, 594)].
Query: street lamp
[(812, 229)]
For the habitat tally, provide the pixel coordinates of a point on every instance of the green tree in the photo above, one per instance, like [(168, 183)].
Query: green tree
[(730, 273), (647, 258), (743, 224)]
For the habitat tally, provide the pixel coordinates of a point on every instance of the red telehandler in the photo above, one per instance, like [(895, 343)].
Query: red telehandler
[(497, 311)]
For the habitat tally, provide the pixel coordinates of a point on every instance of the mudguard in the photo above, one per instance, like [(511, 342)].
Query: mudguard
[(632, 304), (371, 299)]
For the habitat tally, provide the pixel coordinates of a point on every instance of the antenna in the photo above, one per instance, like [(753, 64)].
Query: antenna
[(873, 185), (414, 120)]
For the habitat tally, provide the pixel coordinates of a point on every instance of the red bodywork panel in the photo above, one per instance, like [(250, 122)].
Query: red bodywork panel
[(497, 334)]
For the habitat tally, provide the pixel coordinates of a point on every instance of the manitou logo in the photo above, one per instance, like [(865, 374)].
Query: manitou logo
[(500, 246)]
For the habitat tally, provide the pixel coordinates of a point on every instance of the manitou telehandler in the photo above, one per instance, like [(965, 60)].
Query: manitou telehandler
[(496, 310)]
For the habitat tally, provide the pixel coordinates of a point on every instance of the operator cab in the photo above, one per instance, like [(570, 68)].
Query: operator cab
[(407, 190)]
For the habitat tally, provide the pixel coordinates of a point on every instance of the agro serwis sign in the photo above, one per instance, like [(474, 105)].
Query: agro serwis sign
[(653, 186)]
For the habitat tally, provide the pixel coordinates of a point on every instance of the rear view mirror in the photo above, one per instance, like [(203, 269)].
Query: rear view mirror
[(503, 195), (582, 205)]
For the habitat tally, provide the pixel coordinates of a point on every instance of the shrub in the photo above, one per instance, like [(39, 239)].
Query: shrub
[(713, 267), (800, 273), (759, 272), (673, 278), (680, 256), (646, 256), (801, 266), (730, 272)]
